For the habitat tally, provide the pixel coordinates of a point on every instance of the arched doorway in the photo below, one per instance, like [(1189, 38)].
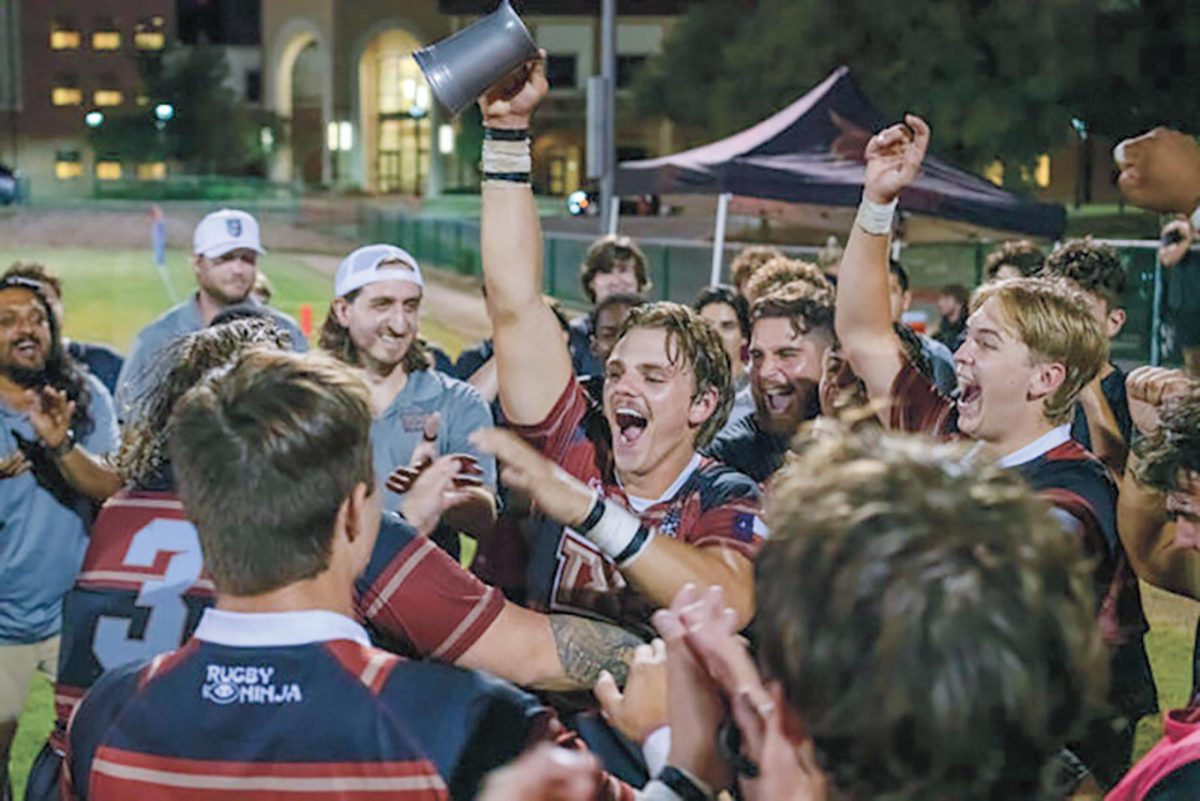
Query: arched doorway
[(301, 93), (395, 106)]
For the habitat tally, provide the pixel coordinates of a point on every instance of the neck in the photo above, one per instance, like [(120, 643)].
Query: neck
[(12, 393), (384, 382), (210, 307), (654, 482), (1020, 435), (327, 591)]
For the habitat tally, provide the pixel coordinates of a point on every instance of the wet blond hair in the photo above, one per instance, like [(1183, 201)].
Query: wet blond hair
[(1051, 317)]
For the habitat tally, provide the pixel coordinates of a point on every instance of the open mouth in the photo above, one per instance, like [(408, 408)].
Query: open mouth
[(778, 399), (27, 348), (630, 425), (967, 396)]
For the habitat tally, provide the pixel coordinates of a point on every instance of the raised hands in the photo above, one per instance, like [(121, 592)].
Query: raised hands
[(50, 414), (641, 709), (1148, 388), (1177, 237), (894, 157), (510, 103), (559, 495), (1160, 171)]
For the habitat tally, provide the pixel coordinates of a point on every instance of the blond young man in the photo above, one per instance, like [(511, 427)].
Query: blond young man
[(1030, 348), (636, 511)]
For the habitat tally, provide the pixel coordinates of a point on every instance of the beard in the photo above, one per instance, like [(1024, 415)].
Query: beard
[(25, 376)]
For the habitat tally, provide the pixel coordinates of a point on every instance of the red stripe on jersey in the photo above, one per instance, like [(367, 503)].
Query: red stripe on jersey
[(371, 666), (117, 773), (164, 663)]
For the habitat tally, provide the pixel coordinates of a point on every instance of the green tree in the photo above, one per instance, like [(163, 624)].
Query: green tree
[(211, 131)]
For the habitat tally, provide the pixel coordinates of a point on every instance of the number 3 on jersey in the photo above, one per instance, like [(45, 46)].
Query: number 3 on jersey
[(168, 612)]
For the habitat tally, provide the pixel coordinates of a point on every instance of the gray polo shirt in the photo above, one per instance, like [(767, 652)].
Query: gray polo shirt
[(143, 368), (397, 432), (43, 535)]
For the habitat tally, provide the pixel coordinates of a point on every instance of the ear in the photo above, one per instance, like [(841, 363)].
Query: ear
[(592, 346), (703, 407), (905, 301), (341, 312), (1115, 322), (197, 263), (351, 514), (1046, 379)]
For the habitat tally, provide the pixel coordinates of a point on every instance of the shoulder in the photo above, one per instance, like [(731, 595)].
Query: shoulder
[(99, 393), (178, 319), (719, 484)]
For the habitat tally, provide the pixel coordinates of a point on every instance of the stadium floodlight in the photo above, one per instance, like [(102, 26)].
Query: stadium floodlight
[(94, 119), (164, 112)]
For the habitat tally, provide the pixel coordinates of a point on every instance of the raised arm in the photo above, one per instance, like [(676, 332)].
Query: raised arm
[(532, 362), (863, 319)]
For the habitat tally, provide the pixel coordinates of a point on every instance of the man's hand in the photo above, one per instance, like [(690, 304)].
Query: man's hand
[(427, 449), (50, 414), (1171, 253), (894, 157), (1148, 388), (546, 773), (13, 465), (642, 708), (1160, 171), (437, 489), (694, 703), (510, 103), (560, 496)]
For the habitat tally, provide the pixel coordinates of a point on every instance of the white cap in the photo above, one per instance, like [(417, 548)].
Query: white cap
[(363, 267), (226, 230)]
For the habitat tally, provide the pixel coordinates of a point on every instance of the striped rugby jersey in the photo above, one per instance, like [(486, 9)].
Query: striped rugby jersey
[(709, 506), (143, 589)]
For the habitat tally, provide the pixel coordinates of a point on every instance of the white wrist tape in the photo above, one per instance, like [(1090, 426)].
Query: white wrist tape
[(506, 157), (876, 218), (620, 535)]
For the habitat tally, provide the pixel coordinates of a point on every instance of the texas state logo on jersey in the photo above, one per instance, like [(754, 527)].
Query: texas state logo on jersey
[(141, 592)]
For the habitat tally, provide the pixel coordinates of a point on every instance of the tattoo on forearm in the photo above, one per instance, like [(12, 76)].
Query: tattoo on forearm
[(586, 647)]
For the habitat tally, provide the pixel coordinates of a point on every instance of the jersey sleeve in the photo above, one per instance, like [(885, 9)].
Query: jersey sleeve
[(562, 429), (918, 406), (91, 722), (730, 516), (414, 594)]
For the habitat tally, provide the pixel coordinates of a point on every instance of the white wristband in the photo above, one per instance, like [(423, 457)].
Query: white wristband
[(506, 157), (620, 535), (876, 218)]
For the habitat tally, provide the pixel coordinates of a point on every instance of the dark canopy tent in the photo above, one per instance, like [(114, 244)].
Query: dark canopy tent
[(811, 152)]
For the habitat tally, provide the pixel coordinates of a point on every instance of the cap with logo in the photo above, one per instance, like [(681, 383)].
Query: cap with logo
[(224, 231), (369, 264)]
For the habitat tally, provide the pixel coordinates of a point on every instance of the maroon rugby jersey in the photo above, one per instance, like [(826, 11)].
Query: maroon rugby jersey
[(143, 589), (710, 506)]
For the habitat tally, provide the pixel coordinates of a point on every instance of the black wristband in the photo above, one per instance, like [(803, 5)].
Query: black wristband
[(593, 516), (511, 177), (634, 546), (680, 784), (506, 134)]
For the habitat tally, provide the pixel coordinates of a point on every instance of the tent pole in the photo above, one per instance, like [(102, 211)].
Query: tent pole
[(614, 214), (719, 237)]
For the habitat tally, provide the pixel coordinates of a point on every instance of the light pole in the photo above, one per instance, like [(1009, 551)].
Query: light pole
[(608, 70)]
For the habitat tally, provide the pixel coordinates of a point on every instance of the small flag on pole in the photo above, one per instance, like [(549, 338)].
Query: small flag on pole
[(158, 243)]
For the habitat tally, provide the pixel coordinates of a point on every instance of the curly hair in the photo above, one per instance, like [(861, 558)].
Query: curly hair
[(807, 305), (725, 294), (335, 340), (142, 455), (60, 370), (782, 271), (1093, 267), (693, 343), (748, 261), (1020, 254), (1052, 318), (926, 618), (1169, 456)]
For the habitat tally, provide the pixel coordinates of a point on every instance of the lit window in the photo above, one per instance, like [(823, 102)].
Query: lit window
[(106, 40), (67, 165), (107, 97), (66, 96), (994, 172), (108, 170), (142, 100), (149, 40), (64, 34), (1042, 173), (152, 171)]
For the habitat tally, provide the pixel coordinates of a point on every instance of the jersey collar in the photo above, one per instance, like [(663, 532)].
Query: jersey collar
[(642, 504), (268, 629), (1043, 444)]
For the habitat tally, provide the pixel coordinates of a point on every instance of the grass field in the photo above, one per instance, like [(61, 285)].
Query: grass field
[(111, 294)]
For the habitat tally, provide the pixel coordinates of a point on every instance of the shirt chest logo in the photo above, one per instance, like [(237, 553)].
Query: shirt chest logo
[(247, 684)]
